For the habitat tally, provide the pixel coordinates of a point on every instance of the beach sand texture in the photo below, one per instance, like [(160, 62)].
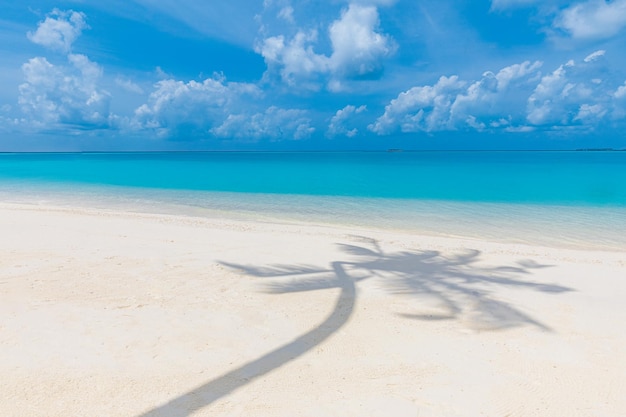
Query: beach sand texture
[(106, 313)]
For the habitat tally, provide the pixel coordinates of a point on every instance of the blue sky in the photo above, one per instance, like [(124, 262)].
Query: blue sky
[(303, 74)]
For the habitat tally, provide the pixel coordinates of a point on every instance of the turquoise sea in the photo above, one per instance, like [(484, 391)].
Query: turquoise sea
[(557, 198)]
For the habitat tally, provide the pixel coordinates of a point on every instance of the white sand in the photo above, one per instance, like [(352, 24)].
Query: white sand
[(120, 314)]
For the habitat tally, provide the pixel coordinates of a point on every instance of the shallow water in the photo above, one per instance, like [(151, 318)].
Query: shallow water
[(565, 199)]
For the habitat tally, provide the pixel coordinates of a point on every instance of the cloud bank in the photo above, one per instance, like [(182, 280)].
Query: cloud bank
[(518, 98)]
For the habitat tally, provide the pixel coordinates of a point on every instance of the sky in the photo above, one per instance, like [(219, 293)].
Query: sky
[(78, 75)]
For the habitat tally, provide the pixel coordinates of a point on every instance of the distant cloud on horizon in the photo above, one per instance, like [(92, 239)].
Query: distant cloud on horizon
[(517, 98)]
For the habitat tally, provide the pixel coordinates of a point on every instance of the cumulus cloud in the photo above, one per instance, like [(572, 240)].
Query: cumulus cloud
[(518, 98), (493, 101), (570, 94), (422, 108), (496, 99), (295, 60), (580, 21), (358, 50), (64, 94), (593, 19), (176, 108), (339, 121), (68, 94), (59, 30), (357, 47), (274, 123), (590, 112), (216, 108)]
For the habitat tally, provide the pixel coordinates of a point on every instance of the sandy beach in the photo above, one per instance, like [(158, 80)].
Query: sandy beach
[(107, 313)]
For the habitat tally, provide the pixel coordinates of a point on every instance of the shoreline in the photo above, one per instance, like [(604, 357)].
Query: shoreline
[(185, 214), (106, 312), (565, 227)]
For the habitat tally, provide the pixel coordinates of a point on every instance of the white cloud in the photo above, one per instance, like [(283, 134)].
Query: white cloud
[(595, 55), (495, 97), (274, 123), (540, 103), (580, 20), (471, 121), (593, 19), (295, 60), (358, 50), (519, 129), (620, 92), (496, 100), (516, 99), (128, 85), (515, 72), (69, 95), (63, 96), (569, 95), (217, 108), (590, 113), (59, 30), (338, 122), (423, 108), (177, 108)]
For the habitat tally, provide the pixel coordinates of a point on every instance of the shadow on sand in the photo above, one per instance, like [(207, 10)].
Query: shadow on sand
[(456, 282)]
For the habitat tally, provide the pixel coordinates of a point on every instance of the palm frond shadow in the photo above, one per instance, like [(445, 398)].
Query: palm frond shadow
[(458, 282)]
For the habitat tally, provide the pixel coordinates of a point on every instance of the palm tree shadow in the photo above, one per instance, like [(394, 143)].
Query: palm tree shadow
[(457, 282), (204, 395)]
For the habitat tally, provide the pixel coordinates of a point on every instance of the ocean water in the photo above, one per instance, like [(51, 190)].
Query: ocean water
[(575, 199)]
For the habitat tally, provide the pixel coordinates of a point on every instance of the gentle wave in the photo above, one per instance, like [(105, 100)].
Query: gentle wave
[(575, 199), (550, 225)]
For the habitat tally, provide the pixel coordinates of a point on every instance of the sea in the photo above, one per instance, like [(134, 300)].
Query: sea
[(556, 198)]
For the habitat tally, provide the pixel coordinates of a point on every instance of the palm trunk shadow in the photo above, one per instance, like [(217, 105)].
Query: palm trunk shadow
[(223, 385)]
